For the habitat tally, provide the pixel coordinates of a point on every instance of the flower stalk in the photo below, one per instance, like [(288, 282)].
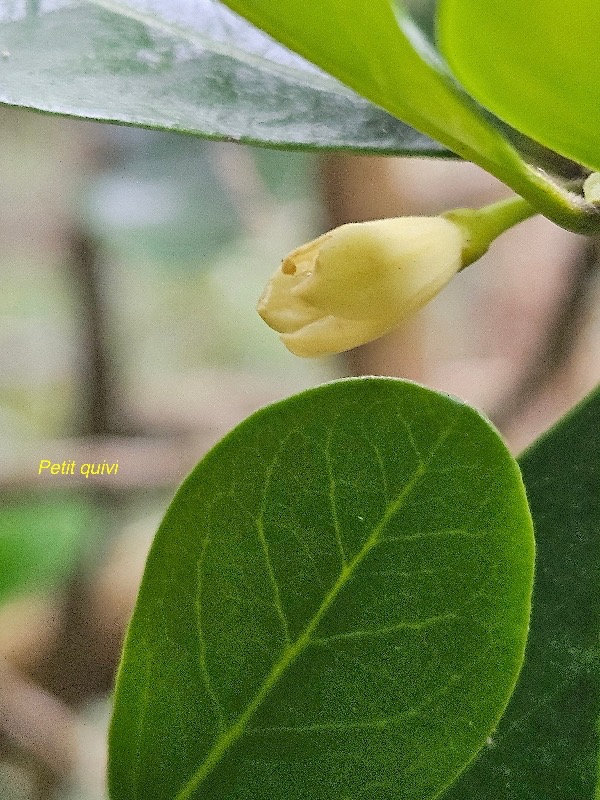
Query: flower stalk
[(361, 280), (483, 225)]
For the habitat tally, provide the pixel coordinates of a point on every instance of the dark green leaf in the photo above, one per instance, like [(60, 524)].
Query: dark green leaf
[(535, 64), (546, 745), (195, 68), (335, 606)]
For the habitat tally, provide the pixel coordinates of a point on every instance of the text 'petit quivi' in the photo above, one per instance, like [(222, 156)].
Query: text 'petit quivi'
[(71, 468)]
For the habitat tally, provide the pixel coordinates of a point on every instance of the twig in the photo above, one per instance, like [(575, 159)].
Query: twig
[(557, 346), (38, 722)]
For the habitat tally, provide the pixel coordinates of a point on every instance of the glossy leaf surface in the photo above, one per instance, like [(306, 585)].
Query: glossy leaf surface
[(192, 67), (547, 743), (534, 64), (335, 605), (376, 49)]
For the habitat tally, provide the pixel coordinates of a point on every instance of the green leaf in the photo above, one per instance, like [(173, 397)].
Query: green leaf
[(534, 64), (547, 744), (193, 68), (375, 48), (378, 51), (334, 607), (197, 68), (40, 541)]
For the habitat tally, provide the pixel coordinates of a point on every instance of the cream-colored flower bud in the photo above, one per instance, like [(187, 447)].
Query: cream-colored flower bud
[(359, 281)]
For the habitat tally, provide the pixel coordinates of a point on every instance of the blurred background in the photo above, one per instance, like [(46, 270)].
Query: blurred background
[(131, 264)]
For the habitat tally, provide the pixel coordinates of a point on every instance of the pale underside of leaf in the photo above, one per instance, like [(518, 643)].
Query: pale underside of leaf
[(194, 68)]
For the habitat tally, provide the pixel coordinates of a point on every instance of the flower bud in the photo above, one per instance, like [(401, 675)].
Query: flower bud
[(360, 281)]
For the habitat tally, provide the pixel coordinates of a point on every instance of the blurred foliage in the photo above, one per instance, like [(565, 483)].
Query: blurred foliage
[(184, 247), (41, 539), (183, 259), (165, 195)]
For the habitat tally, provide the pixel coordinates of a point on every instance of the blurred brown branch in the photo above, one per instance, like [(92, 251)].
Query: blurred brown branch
[(558, 341), (33, 718)]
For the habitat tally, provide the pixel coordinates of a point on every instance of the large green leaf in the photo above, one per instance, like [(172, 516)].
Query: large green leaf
[(192, 67), (534, 63), (334, 607), (547, 743), (374, 47)]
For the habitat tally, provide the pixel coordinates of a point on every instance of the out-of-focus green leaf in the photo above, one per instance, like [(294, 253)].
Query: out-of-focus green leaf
[(547, 743), (535, 64), (191, 67), (335, 606), (40, 541)]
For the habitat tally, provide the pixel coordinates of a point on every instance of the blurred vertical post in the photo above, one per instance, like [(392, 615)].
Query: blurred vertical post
[(357, 189)]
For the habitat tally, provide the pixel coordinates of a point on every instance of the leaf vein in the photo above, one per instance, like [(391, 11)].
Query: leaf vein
[(442, 533), (140, 727), (292, 651), (382, 631), (273, 580), (383, 722), (332, 501), (200, 634)]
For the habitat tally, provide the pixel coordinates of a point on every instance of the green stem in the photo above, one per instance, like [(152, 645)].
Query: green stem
[(482, 226)]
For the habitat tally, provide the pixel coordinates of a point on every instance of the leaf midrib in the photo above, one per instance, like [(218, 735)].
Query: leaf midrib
[(295, 649)]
